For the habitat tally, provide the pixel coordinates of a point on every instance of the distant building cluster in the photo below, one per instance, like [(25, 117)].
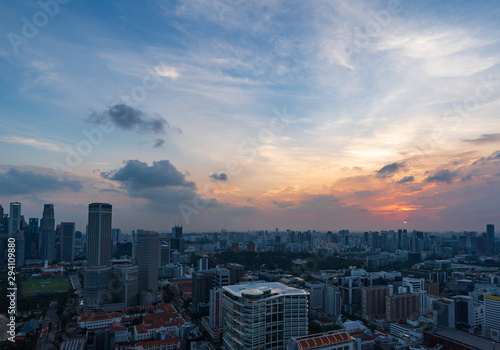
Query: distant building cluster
[(151, 290)]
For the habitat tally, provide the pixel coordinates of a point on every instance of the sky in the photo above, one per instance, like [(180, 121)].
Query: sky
[(252, 115)]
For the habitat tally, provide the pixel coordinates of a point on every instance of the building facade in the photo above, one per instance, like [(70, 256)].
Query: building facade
[(263, 315)]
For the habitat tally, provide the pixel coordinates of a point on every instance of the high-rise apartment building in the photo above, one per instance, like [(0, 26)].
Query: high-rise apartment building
[(67, 241), (216, 309), (99, 235), (236, 272), (315, 295), (373, 301), (399, 307), (47, 229), (147, 260), (263, 316), (332, 301)]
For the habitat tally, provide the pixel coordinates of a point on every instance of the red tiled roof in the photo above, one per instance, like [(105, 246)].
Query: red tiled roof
[(98, 316), (116, 326), (322, 340)]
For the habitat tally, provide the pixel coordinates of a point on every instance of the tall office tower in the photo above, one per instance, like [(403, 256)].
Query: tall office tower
[(2, 237), (315, 295), (67, 241), (373, 302), (332, 301), (28, 239), (490, 240), (491, 328), (147, 260), (125, 287), (464, 312), (399, 307), (443, 311), (99, 235), (14, 218), (78, 240), (236, 272), (20, 248), (216, 309), (1, 217), (221, 277), (164, 255), (201, 284), (47, 226), (115, 238), (98, 273), (35, 236), (203, 264), (273, 313), (177, 231)]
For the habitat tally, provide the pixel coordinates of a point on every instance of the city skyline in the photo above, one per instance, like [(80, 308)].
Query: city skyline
[(228, 115)]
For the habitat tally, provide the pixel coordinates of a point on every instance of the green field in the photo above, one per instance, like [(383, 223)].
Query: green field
[(32, 287)]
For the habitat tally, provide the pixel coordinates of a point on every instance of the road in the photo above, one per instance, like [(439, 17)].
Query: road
[(47, 337)]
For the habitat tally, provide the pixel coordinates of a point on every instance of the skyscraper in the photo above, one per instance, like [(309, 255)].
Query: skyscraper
[(35, 236), (263, 315), (99, 235), (147, 260), (47, 225), (67, 241), (14, 218), (98, 273), (490, 240)]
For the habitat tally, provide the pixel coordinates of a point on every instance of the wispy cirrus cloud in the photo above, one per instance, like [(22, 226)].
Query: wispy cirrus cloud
[(48, 146)]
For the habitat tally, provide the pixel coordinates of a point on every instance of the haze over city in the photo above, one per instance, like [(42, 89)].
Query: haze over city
[(303, 115)]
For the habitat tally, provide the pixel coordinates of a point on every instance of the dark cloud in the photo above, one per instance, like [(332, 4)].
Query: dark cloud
[(494, 156), (445, 175), (219, 177), (364, 194), (136, 175), (159, 143), (130, 118), (484, 138), (389, 170), (406, 179), (27, 182), (283, 205)]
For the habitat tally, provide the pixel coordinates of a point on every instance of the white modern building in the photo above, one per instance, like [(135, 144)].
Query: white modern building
[(263, 315), (491, 327)]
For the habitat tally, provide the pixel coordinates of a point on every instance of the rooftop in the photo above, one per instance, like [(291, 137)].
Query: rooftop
[(263, 289), (467, 339)]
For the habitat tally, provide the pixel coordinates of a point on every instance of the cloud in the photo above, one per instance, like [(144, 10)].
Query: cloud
[(389, 170), (137, 175), (445, 175), (159, 143), (165, 71), (32, 142), (406, 179), (484, 138), (130, 118), (27, 182), (283, 205), (219, 177)]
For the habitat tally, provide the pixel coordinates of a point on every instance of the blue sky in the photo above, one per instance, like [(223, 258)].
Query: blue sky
[(253, 115)]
